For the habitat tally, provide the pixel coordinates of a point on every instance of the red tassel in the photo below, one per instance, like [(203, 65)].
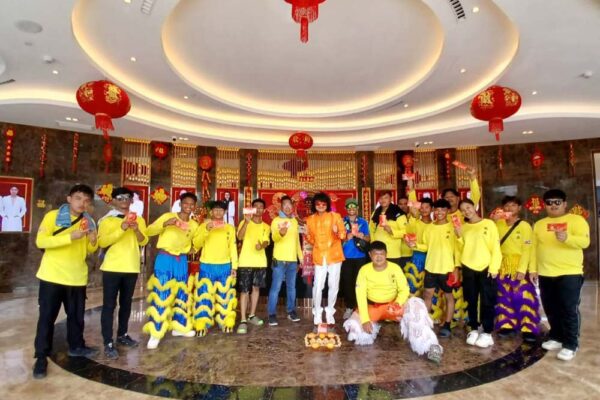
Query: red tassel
[(104, 122), (304, 30), (496, 125)]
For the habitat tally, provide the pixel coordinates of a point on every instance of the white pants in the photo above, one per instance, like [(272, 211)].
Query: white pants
[(321, 272)]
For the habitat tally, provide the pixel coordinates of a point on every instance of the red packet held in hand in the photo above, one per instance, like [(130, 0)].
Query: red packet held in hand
[(84, 225), (558, 227), (184, 226), (459, 165), (131, 217), (249, 210), (382, 220), (284, 224), (456, 221), (354, 229), (452, 281), (410, 237), (218, 223)]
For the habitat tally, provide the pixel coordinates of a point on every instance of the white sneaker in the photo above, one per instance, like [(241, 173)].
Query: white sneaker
[(484, 341), (317, 320), (551, 345), (565, 355), (153, 343), (184, 334), (472, 337), (348, 313)]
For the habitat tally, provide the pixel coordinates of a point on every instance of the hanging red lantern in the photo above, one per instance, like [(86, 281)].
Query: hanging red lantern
[(105, 101), (205, 163), (495, 104), (301, 141), (160, 150), (408, 162), (537, 158), (304, 12), (535, 204)]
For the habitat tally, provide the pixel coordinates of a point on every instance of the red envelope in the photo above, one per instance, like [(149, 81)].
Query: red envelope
[(456, 221), (452, 281), (131, 217), (249, 210), (459, 165), (84, 225), (558, 227), (410, 237), (382, 220)]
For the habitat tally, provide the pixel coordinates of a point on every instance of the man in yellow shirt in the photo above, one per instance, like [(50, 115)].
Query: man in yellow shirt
[(557, 258), (215, 294), (67, 236), (254, 234), (170, 298), (418, 223), (382, 293), (388, 225), (120, 234)]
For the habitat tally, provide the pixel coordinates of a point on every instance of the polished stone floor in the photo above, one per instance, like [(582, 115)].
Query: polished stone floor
[(272, 363)]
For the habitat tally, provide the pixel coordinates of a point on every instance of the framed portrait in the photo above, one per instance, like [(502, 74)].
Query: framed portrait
[(231, 196), (175, 193), (16, 195), (140, 202)]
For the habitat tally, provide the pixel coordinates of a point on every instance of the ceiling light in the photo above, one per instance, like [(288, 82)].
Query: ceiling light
[(132, 59), (405, 105), (28, 26), (527, 132), (186, 97), (55, 71), (587, 74), (463, 70), (534, 92), (475, 9), (127, 1), (68, 118), (75, 119)]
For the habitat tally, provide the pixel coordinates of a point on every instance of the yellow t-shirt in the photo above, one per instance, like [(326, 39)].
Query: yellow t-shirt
[(420, 228), (517, 244), (550, 257), (287, 247), (172, 239), (123, 254), (392, 241), (481, 246), (255, 234), (440, 243), (380, 287), (475, 196), (218, 245), (63, 261)]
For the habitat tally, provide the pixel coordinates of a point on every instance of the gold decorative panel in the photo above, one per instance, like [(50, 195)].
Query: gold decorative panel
[(228, 168), (184, 166), (384, 170), (426, 169), (135, 164), (466, 155)]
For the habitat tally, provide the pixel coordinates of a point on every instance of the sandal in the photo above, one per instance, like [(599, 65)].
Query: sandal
[(254, 320), (242, 328)]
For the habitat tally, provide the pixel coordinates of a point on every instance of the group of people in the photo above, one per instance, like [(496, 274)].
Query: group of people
[(496, 262)]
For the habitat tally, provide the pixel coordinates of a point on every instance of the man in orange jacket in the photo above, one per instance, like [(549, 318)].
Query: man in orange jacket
[(325, 231)]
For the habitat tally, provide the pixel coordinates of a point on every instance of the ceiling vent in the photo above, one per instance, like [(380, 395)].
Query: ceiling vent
[(459, 11), (147, 6), (7, 82)]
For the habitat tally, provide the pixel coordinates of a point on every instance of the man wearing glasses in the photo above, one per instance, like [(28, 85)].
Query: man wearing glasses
[(557, 258)]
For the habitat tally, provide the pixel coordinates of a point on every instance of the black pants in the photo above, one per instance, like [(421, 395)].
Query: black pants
[(476, 284), (51, 296), (561, 296), (350, 268), (113, 284)]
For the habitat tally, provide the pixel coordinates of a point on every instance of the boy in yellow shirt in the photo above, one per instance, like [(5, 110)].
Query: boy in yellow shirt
[(120, 234), (170, 298), (67, 236), (215, 294), (453, 196), (382, 293), (254, 234), (557, 258), (419, 223), (388, 225)]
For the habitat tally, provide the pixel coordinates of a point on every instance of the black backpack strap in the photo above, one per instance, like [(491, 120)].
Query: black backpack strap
[(507, 234), (76, 220)]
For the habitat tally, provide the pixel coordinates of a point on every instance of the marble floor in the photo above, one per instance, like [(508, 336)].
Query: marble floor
[(273, 363)]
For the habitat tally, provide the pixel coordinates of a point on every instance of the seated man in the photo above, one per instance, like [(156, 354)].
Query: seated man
[(382, 294)]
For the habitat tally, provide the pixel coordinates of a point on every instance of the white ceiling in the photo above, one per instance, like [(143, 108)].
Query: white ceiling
[(374, 74)]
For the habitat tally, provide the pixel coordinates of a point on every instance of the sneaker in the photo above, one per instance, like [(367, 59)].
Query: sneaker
[(551, 345), (506, 333), (110, 352), (435, 353), (127, 340), (254, 320), (242, 328), (293, 317), (184, 334), (565, 355), (348, 313), (484, 341), (85, 351), (153, 343), (472, 337), (40, 368), (445, 332), (529, 337), (273, 320)]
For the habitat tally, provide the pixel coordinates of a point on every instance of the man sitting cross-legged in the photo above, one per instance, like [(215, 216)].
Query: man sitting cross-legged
[(382, 294)]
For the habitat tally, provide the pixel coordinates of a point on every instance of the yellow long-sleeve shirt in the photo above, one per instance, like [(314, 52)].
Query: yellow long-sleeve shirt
[(63, 261), (481, 246), (218, 245), (123, 254), (286, 247), (518, 243), (549, 256), (392, 241), (475, 196), (255, 234), (380, 287), (419, 227), (441, 245), (172, 239)]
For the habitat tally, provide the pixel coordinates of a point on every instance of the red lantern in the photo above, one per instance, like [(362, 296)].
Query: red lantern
[(105, 100), (537, 159), (494, 105), (304, 12), (301, 141), (160, 150), (535, 204), (408, 161), (205, 163)]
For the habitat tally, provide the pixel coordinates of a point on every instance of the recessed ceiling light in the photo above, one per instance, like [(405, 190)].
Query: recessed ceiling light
[(75, 119), (68, 118), (127, 1), (132, 59), (55, 71), (475, 9), (534, 92), (527, 132), (186, 97), (463, 70), (405, 105), (28, 26)]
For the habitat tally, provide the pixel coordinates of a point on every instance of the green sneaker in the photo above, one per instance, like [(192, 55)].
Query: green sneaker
[(254, 320), (242, 328)]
